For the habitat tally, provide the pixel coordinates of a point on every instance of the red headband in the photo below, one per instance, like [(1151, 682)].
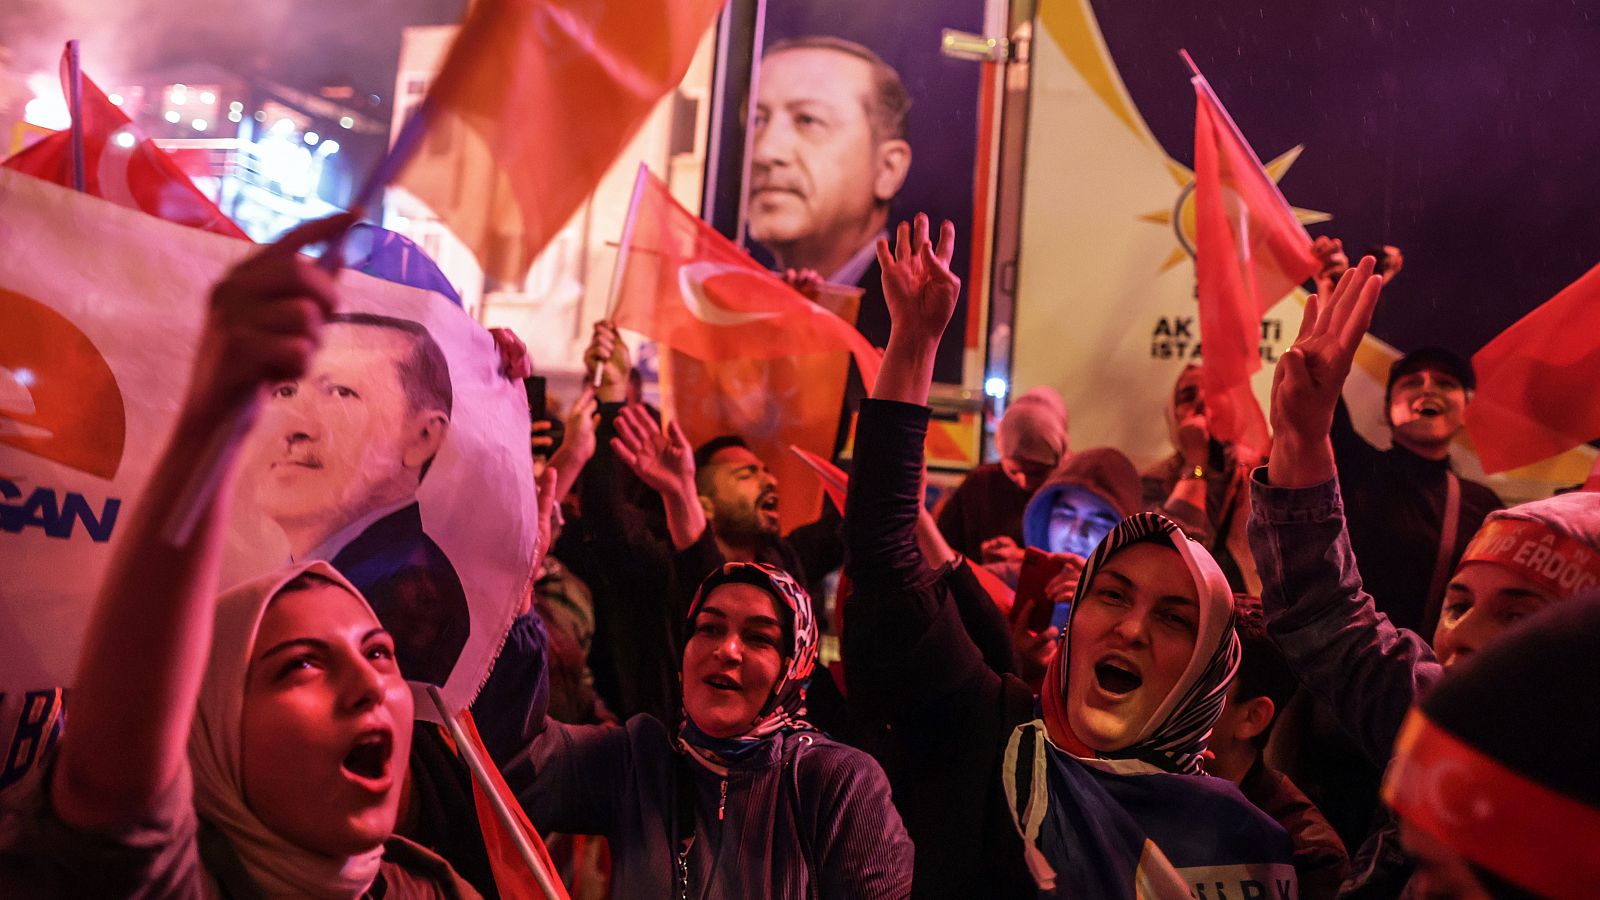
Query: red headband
[(1562, 566), (1499, 819)]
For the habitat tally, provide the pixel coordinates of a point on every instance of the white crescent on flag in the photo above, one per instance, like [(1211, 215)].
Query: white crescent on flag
[(115, 160), (691, 287)]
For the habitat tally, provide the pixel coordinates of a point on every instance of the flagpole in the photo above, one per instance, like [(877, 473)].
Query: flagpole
[(75, 101), (623, 246), (475, 765), (1200, 82)]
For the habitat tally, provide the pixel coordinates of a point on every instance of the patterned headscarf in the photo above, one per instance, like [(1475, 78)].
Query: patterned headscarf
[(785, 709), (1176, 734)]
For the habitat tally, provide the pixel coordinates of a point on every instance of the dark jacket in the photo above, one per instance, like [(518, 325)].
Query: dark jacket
[(413, 589), (986, 504), (910, 663), (1394, 502), (803, 817), (1367, 671), (1319, 856)]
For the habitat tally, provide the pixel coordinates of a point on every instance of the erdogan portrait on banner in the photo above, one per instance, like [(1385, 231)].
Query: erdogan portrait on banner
[(336, 460)]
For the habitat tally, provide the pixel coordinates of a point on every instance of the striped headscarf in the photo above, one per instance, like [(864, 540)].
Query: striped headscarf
[(785, 709), (1176, 733)]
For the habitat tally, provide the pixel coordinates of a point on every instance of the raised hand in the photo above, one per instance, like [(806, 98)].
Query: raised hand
[(515, 363), (918, 286), (806, 281), (581, 422), (609, 354), (265, 319), (1391, 264), (1001, 549), (662, 459), (1311, 374), (1331, 259), (920, 291), (1194, 440)]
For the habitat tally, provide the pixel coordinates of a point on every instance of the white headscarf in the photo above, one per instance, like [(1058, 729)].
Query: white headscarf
[(277, 866)]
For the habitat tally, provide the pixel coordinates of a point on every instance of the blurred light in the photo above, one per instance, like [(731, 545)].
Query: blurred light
[(234, 115), (199, 124), (329, 147), (125, 139), (283, 126), (180, 87), (23, 377), (236, 106), (172, 116), (261, 115), (116, 99), (312, 137), (346, 122), (207, 97), (48, 108), (996, 387)]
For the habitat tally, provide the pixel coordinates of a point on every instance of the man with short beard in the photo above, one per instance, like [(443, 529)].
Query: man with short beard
[(740, 499)]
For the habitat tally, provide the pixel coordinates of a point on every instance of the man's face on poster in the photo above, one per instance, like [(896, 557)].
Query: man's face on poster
[(344, 440), (821, 177)]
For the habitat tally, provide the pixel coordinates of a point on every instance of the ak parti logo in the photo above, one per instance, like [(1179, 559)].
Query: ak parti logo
[(58, 398)]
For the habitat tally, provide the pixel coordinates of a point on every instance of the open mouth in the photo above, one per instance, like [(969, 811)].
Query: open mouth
[(1116, 678), (768, 503), (722, 683), (1428, 407), (369, 758)]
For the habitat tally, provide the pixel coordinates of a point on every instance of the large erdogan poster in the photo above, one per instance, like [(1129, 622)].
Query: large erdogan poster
[(401, 457)]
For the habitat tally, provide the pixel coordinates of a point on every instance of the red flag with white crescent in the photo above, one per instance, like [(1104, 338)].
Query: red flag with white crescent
[(692, 289), (1250, 252), (122, 165)]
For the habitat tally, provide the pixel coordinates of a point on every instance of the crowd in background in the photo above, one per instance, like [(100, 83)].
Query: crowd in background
[(1335, 670)]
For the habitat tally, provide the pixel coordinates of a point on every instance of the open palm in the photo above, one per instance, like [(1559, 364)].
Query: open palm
[(661, 458), (918, 286)]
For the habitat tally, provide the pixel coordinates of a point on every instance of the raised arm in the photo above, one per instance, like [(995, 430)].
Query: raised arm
[(663, 460), (144, 654), (1317, 613)]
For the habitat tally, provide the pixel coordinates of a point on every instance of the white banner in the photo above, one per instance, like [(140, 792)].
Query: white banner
[(402, 457)]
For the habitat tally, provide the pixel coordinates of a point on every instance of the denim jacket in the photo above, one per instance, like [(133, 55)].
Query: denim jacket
[(1345, 651)]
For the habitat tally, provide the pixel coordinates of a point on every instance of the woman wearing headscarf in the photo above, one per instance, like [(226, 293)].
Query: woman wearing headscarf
[(986, 508), (1099, 794), (742, 798), (277, 767)]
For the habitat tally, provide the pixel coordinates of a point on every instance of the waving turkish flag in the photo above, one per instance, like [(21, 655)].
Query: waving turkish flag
[(1536, 381), (1250, 251), (690, 288), (120, 164)]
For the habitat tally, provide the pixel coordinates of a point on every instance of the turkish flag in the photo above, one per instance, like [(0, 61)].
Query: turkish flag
[(790, 402), (688, 287), (120, 164), (1250, 251), (1536, 381), (533, 103)]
